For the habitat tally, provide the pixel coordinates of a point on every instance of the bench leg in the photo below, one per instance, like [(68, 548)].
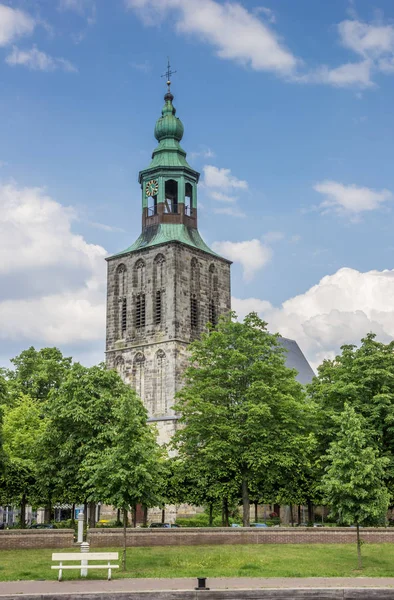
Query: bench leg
[(109, 571), (60, 573)]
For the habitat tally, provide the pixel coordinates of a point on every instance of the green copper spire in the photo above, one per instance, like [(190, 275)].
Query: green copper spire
[(169, 188)]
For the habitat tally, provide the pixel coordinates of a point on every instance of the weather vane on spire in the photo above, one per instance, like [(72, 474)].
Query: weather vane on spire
[(168, 74)]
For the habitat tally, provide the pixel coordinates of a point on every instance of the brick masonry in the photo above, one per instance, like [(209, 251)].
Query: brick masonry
[(190, 536), (262, 594), (14, 539)]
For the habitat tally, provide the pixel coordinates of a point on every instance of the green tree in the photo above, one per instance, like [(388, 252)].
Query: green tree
[(80, 413), (37, 372), (129, 470), (242, 410), (364, 378), (23, 428), (3, 396), (353, 482)]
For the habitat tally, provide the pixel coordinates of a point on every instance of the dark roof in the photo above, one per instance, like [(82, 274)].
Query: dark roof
[(296, 360)]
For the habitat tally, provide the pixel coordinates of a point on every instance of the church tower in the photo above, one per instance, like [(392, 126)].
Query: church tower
[(164, 289)]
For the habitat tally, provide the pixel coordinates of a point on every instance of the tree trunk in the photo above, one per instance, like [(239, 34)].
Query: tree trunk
[(210, 515), (163, 514), (118, 515), (299, 514), (135, 516), (124, 539), (245, 503), (73, 515), (23, 512), (291, 515), (85, 515), (256, 517), (48, 513), (92, 515), (225, 513), (360, 565), (145, 517), (310, 512)]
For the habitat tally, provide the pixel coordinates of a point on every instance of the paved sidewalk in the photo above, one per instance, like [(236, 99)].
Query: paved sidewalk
[(9, 588)]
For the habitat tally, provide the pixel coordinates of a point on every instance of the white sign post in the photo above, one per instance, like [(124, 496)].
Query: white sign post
[(84, 548), (80, 528)]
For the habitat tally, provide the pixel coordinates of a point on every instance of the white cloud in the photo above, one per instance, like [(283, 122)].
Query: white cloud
[(222, 178), (347, 75), (81, 7), (350, 200), (220, 197), (104, 227), (14, 23), (36, 60), (251, 254), (267, 12), (235, 33), (52, 282), (339, 310), (368, 40), (230, 211), (203, 153), (220, 184)]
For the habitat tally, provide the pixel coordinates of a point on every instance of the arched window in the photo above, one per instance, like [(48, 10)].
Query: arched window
[(120, 366), (140, 311), (121, 300), (171, 196), (194, 293), (139, 374), (213, 296), (139, 274), (188, 199), (159, 265), (160, 389), (139, 286)]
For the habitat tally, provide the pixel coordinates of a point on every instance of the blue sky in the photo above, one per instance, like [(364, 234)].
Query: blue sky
[(287, 108)]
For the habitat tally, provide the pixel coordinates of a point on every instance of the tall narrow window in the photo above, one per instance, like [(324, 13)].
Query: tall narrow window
[(160, 389), (171, 196), (193, 312), (139, 374), (194, 294), (213, 296), (213, 319), (140, 311), (158, 307), (188, 199), (121, 301), (124, 316), (158, 296)]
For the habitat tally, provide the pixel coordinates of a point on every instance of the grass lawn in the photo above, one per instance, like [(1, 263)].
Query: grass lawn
[(273, 560)]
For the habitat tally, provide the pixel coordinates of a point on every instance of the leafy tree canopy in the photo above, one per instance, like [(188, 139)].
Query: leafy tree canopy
[(364, 378), (37, 372), (353, 482), (244, 415)]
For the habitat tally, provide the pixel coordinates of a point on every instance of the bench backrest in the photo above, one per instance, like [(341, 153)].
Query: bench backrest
[(85, 555)]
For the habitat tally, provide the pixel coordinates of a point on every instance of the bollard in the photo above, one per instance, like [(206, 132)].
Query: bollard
[(84, 548), (80, 528), (201, 581)]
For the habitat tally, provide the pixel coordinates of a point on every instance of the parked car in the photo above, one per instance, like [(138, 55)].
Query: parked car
[(41, 526), (163, 525), (258, 525), (235, 525)]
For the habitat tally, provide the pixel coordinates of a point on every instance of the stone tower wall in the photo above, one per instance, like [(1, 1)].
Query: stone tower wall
[(152, 358)]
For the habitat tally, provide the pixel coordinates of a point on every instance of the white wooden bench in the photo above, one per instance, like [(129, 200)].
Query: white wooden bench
[(83, 558)]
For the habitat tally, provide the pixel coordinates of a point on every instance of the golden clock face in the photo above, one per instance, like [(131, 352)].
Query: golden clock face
[(152, 187)]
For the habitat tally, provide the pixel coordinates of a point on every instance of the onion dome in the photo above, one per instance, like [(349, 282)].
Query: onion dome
[(169, 126)]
